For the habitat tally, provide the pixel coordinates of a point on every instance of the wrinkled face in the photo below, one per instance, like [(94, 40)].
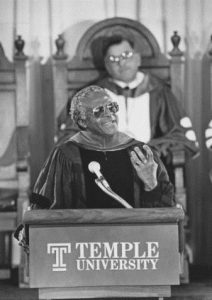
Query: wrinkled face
[(101, 115), (122, 62)]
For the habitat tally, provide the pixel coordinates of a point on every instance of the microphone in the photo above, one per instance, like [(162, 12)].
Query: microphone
[(94, 167)]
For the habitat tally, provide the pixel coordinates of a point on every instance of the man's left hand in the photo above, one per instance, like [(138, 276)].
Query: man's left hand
[(145, 167)]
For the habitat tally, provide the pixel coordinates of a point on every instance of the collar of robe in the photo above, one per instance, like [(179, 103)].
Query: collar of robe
[(90, 141), (148, 84)]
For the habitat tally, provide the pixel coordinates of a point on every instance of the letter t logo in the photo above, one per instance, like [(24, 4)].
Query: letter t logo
[(59, 249)]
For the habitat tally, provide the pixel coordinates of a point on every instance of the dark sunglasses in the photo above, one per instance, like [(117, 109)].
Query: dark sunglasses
[(99, 110)]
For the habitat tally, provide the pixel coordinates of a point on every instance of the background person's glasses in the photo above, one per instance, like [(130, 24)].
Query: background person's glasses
[(99, 110), (123, 56)]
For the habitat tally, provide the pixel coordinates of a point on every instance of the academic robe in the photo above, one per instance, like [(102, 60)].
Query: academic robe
[(170, 127), (61, 183)]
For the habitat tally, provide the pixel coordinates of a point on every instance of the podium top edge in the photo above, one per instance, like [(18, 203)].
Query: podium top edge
[(103, 216)]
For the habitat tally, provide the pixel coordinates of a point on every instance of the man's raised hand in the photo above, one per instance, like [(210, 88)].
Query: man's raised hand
[(145, 166)]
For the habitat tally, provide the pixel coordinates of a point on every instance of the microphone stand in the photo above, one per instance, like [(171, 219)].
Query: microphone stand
[(104, 186)]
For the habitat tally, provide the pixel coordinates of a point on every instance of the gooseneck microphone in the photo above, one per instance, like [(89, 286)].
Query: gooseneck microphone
[(94, 167)]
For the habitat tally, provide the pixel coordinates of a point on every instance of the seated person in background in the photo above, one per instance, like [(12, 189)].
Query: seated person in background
[(131, 168), (148, 110)]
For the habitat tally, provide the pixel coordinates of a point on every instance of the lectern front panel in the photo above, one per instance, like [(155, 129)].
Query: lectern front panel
[(103, 255)]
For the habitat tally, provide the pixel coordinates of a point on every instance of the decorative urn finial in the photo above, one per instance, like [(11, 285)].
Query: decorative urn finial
[(19, 46), (60, 43), (175, 39)]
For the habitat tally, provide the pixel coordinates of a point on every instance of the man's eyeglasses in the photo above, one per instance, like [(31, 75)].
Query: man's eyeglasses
[(99, 110), (123, 56)]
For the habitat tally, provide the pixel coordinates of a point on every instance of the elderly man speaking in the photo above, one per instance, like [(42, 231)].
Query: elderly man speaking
[(100, 167)]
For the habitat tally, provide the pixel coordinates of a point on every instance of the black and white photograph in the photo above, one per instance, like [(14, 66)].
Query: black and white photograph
[(105, 149)]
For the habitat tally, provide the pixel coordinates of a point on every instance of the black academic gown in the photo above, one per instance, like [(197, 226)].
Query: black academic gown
[(61, 183)]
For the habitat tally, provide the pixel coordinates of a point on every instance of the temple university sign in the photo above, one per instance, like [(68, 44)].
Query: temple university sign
[(107, 256), (98, 255)]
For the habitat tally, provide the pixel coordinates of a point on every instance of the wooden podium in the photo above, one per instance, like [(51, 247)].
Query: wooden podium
[(103, 253)]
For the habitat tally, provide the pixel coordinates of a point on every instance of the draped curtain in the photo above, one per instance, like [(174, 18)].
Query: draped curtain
[(40, 21)]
